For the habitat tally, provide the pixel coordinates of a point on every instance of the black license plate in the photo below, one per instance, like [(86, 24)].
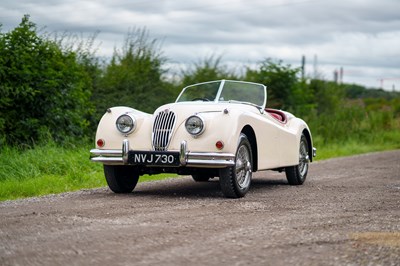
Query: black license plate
[(154, 158)]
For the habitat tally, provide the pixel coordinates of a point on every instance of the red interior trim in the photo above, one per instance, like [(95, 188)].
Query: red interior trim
[(277, 114)]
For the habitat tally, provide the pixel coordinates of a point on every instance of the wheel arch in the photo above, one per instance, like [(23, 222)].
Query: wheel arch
[(251, 136), (307, 134)]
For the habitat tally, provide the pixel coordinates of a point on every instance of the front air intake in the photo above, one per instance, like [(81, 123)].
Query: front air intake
[(162, 130)]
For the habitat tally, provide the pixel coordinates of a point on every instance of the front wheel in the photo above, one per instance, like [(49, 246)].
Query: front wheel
[(235, 180), (121, 178), (296, 175)]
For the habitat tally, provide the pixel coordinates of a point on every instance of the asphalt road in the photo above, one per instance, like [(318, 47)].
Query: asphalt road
[(347, 212)]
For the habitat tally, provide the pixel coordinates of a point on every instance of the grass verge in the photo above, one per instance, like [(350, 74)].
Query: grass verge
[(385, 140), (49, 169)]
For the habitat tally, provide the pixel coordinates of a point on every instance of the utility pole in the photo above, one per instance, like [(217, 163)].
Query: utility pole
[(381, 80), (335, 76), (315, 67), (341, 75)]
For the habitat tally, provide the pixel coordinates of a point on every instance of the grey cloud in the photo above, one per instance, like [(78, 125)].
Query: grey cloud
[(353, 32)]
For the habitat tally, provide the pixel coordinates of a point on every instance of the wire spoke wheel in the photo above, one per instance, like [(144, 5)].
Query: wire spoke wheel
[(296, 175), (304, 158), (235, 180), (243, 167)]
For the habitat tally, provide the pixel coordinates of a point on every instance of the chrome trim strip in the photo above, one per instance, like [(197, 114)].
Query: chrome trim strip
[(190, 159), (107, 160), (209, 163), (314, 151), (125, 151), (105, 153), (212, 155), (106, 156), (183, 154), (212, 159)]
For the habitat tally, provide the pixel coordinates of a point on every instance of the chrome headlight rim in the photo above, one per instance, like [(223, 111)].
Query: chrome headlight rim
[(126, 123), (201, 124)]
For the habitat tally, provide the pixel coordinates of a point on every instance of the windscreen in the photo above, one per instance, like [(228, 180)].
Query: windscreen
[(225, 91), (200, 92), (243, 92)]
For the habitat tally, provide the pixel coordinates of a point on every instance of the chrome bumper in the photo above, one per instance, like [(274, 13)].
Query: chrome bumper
[(186, 158), (314, 151)]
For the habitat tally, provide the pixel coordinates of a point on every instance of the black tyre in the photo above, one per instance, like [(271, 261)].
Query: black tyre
[(121, 178), (235, 181), (201, 178), (296, 175)]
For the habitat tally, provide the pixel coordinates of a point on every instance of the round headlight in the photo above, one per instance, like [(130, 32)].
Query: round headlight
[(126, 124), (194, 125)]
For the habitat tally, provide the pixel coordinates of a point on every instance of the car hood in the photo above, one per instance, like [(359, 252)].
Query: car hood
[(191, 108)]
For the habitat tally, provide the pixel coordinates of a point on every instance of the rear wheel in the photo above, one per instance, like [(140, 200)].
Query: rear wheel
[(121, 178), (235, 181), (296, 175)]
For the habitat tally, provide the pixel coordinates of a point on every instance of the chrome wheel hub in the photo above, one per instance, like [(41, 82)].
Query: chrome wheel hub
[(303, 160), (243, 167)]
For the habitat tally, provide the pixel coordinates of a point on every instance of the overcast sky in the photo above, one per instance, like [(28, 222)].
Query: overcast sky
[(362, 36)]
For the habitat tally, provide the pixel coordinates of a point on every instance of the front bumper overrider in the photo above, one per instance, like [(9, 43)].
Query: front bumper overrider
[(186, 158)]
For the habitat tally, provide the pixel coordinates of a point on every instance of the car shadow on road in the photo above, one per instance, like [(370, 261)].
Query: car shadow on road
[(187, 188)]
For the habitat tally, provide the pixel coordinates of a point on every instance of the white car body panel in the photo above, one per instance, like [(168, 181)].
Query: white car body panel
[(277, 143)]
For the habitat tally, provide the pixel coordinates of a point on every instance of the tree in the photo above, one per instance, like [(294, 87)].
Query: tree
[(208, 69), (134, 77), (44, 90), (280, 80), (328, 96)]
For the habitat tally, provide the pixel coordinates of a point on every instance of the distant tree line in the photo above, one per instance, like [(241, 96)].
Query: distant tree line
[(52, 88)]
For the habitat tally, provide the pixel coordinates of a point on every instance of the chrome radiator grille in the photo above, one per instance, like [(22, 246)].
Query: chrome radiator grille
[(162, 130)]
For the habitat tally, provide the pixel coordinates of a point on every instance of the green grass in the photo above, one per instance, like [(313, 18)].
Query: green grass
[(379, 141), (49, 168)]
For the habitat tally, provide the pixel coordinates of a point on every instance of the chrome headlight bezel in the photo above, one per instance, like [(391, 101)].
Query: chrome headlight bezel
[(195, 125), (126, 123)]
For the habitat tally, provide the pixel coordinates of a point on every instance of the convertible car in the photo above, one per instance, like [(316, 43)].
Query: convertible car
[(214, 129)]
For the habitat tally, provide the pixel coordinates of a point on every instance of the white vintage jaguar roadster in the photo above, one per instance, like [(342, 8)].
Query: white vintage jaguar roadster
[(214, 129)]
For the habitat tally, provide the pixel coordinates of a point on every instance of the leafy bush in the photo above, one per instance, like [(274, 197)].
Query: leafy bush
[(280, 80), (134, 76), (44, 91), (207, 69), (49, 90)]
